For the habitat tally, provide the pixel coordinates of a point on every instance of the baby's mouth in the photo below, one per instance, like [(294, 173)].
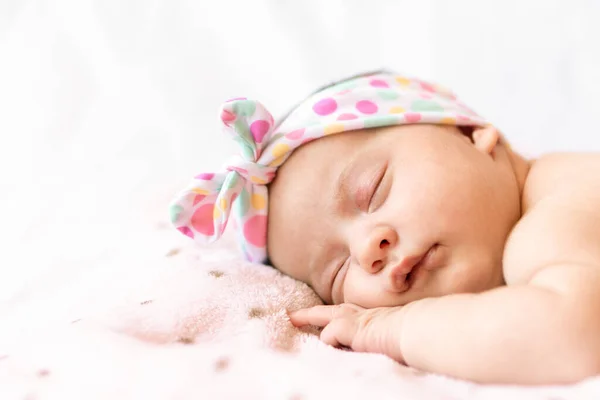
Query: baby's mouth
[(410, 275), (413, 265), (410, 278)]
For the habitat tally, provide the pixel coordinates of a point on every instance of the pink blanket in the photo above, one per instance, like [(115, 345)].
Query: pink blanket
[(198, 323)]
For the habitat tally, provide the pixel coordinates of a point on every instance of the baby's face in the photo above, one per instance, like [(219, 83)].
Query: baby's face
[(388, 216)]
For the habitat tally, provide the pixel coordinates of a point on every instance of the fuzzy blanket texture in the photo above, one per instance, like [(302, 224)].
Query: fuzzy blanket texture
[(192, 321)]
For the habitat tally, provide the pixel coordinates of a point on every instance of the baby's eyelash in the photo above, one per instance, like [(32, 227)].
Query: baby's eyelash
[(376, 187)]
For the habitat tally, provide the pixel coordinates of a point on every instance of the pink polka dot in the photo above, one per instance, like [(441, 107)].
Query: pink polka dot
[(325, 106), (379, 83), (255, 230), (294, 135), (204, 177), (346, 116), (412, 117), (186, 231), (259, 129), (426, 95), (366, 107), (270, 176), (238, 169), (463, 118), (427, 86), (198, 198), (227, 117), (235, 98), (202, 220)]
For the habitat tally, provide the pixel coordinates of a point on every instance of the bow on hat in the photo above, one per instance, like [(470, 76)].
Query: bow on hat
[(202, 210)]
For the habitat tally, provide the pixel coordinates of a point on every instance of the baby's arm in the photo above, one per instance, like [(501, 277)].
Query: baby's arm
[(545, 330), (527, 334)]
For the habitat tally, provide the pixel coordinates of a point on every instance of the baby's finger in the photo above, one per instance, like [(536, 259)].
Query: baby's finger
[(318, 316), (339, 333)]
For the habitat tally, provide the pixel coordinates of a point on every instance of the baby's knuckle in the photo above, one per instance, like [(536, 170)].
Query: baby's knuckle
[(368, 318), (343, 310)]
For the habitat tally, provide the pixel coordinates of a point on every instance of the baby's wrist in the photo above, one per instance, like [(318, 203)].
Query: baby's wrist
[(404, 328), (393, 326)]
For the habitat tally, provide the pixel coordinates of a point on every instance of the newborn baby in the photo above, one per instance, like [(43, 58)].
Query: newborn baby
[(427, 236)]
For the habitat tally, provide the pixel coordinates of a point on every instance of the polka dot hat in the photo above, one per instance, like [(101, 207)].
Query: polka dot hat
[(202, 210)]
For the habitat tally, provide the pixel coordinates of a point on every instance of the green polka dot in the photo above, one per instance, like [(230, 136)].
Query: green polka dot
[(243, 202), (231, 181), (174, 212), (313, 122), (388, 94), (343, 86), (241, 128), (247, 151), (244, 108), (425, 105), (383, 120)]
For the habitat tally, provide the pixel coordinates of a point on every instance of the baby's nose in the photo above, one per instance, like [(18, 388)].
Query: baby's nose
[(374, 252)]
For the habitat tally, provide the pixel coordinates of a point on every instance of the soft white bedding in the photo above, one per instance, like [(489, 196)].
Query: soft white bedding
[(200, 323), (106, 108)]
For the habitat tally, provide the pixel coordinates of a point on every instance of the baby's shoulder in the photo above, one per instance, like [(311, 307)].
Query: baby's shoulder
[(558, 174), (561, 216)]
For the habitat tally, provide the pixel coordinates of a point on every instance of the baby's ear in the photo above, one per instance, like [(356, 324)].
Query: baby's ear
[(486, 138)]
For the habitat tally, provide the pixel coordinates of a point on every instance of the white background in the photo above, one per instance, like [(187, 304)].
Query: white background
[(108, 107)]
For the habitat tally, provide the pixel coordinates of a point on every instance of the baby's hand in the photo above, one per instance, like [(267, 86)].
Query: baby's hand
[(375, 330)]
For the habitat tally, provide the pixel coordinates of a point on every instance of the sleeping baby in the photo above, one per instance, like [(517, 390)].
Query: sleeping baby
[(428, 238)]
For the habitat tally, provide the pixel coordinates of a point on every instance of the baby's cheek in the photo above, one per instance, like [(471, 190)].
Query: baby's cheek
[(473, 276)]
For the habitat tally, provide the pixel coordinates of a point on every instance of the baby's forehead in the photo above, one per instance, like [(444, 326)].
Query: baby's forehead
[(299, 197)]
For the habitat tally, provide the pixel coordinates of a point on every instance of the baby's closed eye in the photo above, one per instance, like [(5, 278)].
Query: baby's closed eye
[(379, 190)]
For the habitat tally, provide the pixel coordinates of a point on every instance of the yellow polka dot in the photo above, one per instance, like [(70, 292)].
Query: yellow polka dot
[(216, 213), (223, 204), (256, 179), (444, 90), (258, 202), (403, 81), (333, 128), (277, 162), (200, 191), (448, 121), (397, 110), (280, 149)]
